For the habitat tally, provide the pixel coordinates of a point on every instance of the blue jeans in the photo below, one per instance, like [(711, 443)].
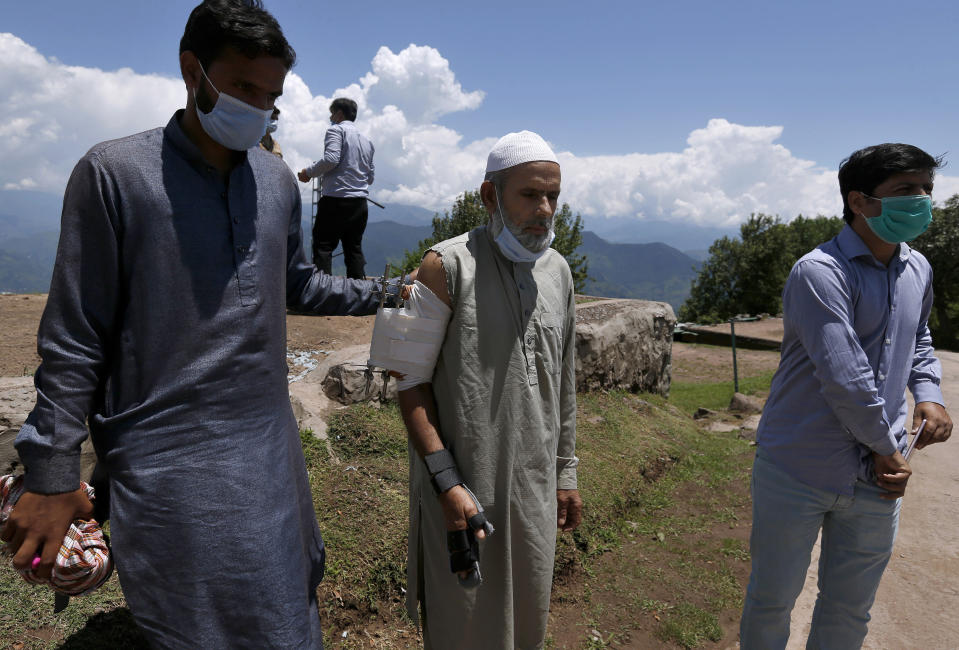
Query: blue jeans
[(857, 537)]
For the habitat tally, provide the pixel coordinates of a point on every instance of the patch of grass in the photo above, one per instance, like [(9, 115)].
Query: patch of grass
[(735, 549), (367, 431), (689, 396), (361, 498), (644, 462), (689, 626), (97, 620)]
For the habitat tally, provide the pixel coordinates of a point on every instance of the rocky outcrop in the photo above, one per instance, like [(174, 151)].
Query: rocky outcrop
[(624, 344), (745, 404), (17, 397), (354, 381), (619, 344)]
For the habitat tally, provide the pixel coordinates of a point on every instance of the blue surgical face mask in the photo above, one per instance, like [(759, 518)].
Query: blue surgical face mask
[(272, 126), (509, 244), (903, 218), (233, 123)]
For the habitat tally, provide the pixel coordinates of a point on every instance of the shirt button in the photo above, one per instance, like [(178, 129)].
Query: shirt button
[(888, 341), (882, 377), (527, 312)]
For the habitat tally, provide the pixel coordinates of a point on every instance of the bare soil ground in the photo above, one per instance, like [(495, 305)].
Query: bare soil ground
[(767, 328), (20, 316)]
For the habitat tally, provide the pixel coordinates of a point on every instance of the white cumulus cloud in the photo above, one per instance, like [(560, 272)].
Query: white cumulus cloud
[(51, 113)]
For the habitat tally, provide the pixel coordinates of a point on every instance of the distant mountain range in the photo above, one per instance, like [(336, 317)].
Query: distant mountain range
[(629, 268)]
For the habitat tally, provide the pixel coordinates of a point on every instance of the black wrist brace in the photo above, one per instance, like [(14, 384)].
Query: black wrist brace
[(442, 468)]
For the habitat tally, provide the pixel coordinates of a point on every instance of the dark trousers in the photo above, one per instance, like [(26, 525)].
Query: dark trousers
[(340, 219)]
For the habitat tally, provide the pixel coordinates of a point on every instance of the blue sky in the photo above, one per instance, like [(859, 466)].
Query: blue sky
[(621, 86)]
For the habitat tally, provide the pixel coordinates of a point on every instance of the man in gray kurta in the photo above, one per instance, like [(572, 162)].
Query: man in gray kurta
[(180, 251), (502, 402)]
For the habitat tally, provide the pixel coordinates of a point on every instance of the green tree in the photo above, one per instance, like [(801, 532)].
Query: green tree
[(469, 212), (569, 237), (939, 244), (747, 275)]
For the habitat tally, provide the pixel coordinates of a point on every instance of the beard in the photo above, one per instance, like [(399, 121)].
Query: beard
[(204, 102), (532, 242)]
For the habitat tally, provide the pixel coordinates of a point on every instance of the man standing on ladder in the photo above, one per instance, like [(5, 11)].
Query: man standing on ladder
[(346, 169)]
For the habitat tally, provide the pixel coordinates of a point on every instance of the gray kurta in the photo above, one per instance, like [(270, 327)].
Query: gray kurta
[(166, 326), (505, 387)]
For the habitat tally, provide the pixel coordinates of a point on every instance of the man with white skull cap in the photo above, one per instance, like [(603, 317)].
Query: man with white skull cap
[(493, 427)]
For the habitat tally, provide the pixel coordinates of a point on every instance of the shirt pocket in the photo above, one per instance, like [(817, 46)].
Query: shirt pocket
[(549, 345)]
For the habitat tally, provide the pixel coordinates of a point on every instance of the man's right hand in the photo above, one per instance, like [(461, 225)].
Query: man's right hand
[(892, 473), (37, 525), (304, 176), (458, 507)]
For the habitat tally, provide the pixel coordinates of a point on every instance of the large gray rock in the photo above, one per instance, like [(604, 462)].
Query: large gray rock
[(17, 397), (619, 344), (745, 404), (624, 344), (354, 381)]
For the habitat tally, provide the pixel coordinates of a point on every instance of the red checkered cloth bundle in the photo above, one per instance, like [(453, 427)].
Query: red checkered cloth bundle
[(83, 563)]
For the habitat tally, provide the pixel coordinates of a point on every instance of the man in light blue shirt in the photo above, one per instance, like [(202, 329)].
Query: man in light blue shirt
[(347, 173), (855, 314)]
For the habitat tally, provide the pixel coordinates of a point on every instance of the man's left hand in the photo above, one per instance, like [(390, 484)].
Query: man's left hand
[(569, 510), (938, 423), (303, 176)]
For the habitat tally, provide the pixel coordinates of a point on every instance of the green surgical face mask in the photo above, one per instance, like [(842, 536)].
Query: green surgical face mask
[(903, 218)]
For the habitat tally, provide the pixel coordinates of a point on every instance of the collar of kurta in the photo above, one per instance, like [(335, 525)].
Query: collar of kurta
[(178, 139)]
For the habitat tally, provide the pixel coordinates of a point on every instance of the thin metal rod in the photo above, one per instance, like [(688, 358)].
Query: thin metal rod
[(732, 336)]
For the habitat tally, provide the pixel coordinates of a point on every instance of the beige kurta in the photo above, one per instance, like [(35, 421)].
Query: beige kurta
[(505, 387)]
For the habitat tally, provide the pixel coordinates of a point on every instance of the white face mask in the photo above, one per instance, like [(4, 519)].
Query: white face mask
[(508, 242), (233, 123)]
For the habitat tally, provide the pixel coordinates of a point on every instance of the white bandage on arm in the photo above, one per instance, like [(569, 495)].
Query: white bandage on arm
[(408, 340)]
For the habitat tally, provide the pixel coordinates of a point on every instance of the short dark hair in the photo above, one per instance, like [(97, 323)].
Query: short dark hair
[(241, 24), (346, 105), (868, 168)]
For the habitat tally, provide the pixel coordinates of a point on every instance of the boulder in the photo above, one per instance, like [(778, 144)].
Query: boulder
[(354, 381), (624, 344), (745, 404)]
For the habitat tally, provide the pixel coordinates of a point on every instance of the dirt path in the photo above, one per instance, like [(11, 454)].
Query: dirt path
[(919, 595), (20, 316)]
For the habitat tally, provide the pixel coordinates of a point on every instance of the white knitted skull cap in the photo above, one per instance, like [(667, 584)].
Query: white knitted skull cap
[(518, 148)]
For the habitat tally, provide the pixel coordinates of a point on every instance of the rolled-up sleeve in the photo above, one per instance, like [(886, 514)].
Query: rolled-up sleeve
[(818, 300), (566, 460), (76, 331)]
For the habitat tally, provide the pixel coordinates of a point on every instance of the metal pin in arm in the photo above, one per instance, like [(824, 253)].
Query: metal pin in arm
[(388, 287)]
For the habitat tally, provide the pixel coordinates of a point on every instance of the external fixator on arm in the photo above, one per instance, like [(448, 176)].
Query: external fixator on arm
[(462, 544)]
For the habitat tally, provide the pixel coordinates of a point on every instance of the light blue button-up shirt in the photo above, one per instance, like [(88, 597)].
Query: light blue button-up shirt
[(855, 336), (347, 162)]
